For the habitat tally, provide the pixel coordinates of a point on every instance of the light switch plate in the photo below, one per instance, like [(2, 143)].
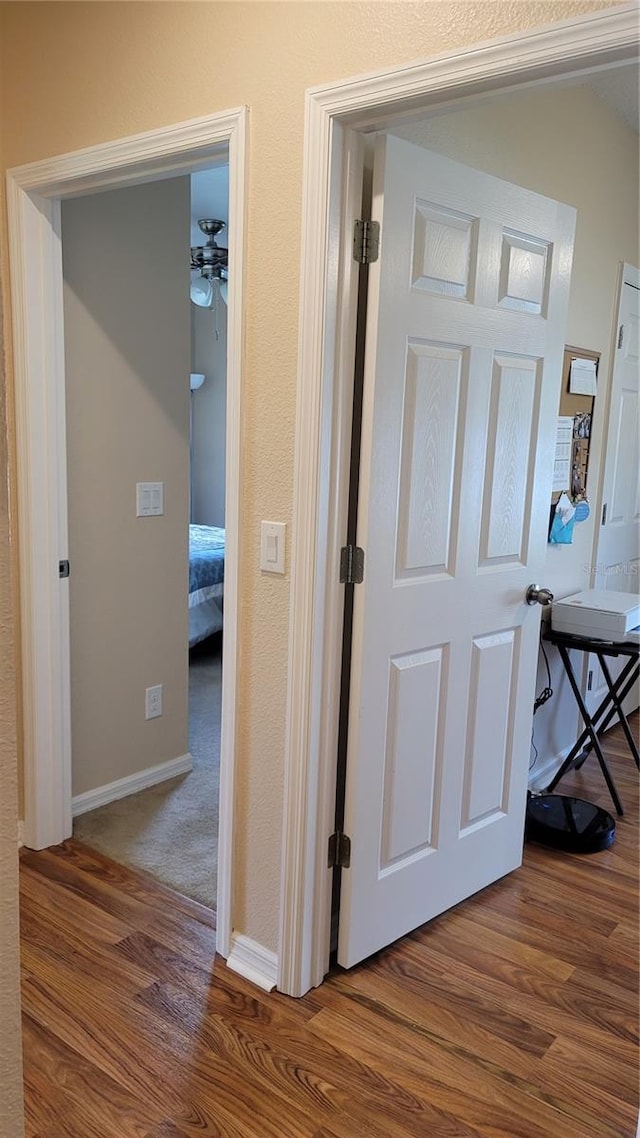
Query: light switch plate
[(149, 499), (272, 547)]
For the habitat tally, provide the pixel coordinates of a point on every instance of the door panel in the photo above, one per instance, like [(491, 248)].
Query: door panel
[(618, 557), (465, 332), (409, 824), (488, 750), (426, 511), (513, 427)]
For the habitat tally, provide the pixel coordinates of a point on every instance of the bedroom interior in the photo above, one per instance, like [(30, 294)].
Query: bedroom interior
[(170, 829)]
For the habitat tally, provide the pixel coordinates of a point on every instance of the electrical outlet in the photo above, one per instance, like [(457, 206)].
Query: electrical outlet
[(153, 702)]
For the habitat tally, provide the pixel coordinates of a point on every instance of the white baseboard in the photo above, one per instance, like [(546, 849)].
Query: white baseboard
[(20, 833), (253, 961), (122, 787), (542, 774)]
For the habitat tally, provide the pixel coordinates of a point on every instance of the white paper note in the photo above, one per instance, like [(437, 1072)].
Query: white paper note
[(582, 377), (562, 463)]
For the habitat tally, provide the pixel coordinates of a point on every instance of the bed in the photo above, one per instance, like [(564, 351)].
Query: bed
[(206, 581)]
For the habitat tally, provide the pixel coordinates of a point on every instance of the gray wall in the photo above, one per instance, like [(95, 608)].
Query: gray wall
[(209, 357), (127, 345)]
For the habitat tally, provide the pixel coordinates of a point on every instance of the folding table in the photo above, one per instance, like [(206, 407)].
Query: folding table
[(611, 705)]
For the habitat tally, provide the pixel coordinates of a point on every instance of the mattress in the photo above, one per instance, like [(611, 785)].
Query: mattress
[(206, 581)]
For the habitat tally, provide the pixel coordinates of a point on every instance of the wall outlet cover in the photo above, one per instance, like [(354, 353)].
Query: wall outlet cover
[(153, 702)]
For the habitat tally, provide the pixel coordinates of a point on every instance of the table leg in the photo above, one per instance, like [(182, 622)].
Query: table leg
[(589, 732), (617, 701), (624, 683)]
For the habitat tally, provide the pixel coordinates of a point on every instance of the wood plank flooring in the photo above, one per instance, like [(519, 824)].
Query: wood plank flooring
[(515, 1014)]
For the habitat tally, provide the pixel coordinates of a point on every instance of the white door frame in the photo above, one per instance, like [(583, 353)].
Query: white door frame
[(34, 194), (328, 286)]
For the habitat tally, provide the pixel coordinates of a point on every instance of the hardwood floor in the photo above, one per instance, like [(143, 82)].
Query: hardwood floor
[(515, 1014)]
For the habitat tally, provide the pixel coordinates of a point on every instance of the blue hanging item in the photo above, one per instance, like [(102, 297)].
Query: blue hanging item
[(563, 521), (582, 511)]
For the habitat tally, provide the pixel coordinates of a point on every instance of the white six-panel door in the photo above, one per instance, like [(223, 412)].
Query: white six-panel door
[(465, 333), (618, 553)]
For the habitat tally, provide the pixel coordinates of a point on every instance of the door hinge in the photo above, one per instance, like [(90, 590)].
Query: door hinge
[(366, 241), (63, 569), (339, 850), (351, 565), (620, 335), (604, 515)]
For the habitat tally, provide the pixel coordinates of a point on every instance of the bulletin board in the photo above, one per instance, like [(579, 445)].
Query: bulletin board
[(580, 409)]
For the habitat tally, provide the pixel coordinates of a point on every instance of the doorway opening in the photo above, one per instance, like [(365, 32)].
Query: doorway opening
[(485, 136), (36, 193), (146, 786)]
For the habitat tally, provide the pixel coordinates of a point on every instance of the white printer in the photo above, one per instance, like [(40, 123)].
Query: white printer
[(598, 615)]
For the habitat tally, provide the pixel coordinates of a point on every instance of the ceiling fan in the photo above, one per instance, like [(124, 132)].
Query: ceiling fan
[(210, 261)]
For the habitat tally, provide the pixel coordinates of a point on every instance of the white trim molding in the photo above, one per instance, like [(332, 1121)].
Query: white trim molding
[(542, 773), (130, 784), (20, 833), (630, 275), (34, 193), (253, 961), (576, 46)]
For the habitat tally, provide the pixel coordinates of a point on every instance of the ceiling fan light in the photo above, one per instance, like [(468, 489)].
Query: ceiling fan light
[(202, 292)]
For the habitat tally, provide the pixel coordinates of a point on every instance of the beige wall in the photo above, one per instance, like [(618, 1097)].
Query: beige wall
[(127, 348), (570, 146), (209, 356), (78, 74)]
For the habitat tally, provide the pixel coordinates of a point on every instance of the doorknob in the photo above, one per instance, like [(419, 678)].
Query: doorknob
[(537, 596)]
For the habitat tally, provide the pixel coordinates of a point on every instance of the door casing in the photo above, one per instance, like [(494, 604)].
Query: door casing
[(34, 194), (337, 119)]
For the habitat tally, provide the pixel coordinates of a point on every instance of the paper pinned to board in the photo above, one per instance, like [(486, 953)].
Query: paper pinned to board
[(583, 376), (562, 463)]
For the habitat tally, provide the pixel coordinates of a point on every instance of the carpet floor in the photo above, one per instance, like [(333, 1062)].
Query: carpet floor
[(171, 830)]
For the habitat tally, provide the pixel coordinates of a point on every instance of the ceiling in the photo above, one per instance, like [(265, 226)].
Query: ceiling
[(210, 198), (619, 88)]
